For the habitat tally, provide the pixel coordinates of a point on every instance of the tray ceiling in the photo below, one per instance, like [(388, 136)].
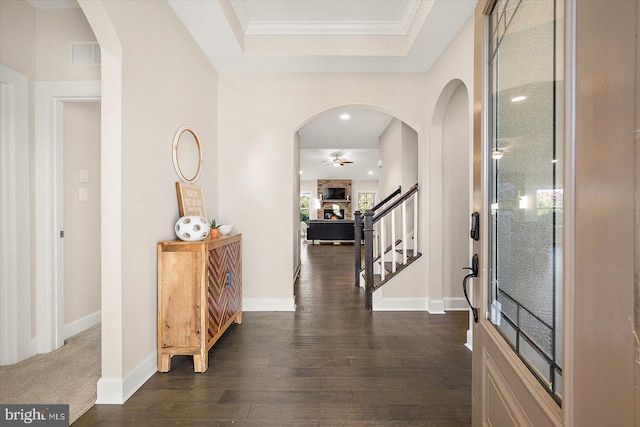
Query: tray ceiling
[(323, 35), (325, 16)]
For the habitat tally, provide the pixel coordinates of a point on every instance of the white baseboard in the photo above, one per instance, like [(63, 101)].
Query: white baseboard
[(268, 304), (32, 350), (455, 304), (469, 343), (435, 306), (110, 391), (136, 378), (380, 303), (116, 391), (82, 324), (419, 304)]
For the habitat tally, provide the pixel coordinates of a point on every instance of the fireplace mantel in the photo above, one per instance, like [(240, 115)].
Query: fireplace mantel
[(344, 205)]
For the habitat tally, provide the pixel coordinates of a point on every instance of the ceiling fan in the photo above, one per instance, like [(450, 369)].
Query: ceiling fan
[(337, 161)]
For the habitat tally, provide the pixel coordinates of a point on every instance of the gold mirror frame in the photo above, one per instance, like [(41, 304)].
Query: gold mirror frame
[(176, 163)]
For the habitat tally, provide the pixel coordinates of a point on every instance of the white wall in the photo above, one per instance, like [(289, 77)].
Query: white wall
[(409, 171), (398, 150), (454, 65), (18, 36), (56, 29), (82, 218), (259, 114), (455, 206), (390, 152), (155, 80)]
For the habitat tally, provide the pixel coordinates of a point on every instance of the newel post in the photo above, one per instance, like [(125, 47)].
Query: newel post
[(368, 258), (357, 243)]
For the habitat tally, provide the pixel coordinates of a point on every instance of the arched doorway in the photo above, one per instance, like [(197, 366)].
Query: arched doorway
[(364, 151), (450, 172)]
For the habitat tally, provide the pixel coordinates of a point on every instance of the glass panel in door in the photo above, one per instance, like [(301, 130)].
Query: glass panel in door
[(525, 179)]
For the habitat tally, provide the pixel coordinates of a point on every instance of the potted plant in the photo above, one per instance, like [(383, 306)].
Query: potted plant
[(215, 232)]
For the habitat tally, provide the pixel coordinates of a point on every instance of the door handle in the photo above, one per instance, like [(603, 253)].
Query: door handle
[(473, 274), (229, 279)]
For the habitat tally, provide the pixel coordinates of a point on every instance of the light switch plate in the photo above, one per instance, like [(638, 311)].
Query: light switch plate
[(83, 194), (84, 175)]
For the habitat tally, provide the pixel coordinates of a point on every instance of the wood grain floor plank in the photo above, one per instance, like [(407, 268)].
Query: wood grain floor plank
[(304, 413), (329, 363)]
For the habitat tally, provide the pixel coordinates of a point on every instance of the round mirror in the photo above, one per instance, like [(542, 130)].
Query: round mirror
[(187, 155)]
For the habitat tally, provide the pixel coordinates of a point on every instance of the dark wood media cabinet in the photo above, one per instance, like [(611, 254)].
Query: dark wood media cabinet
[(340, 229)]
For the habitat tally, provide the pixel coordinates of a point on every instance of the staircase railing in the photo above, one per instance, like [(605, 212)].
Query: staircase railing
[(358, 232), (372, 218)]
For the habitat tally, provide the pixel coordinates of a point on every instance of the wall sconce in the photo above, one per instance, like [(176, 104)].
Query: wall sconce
[(497, 154)]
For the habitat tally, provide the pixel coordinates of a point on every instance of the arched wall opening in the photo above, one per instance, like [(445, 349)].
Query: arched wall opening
[(385, 149), (450, 173)]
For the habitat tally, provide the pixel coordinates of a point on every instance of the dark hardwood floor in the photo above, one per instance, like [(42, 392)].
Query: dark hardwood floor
[(329, 363)]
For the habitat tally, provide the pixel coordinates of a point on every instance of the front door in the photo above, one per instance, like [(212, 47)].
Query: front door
[(518, 191)]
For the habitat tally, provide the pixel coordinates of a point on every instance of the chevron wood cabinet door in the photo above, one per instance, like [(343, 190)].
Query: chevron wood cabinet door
[(199, 296)]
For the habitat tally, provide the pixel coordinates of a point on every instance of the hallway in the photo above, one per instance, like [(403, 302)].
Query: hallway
[(329, 363)]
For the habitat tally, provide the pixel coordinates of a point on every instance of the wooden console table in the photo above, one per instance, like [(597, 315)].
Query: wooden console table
[(199, 296)]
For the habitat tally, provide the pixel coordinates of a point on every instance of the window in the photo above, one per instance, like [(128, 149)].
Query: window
[(305, 203), (366, 200), (526, 189)]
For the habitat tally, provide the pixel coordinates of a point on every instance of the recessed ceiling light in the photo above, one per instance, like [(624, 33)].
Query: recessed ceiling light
[(300, 172), (370, 172), (518, 98), (345, 116), (554, 161)]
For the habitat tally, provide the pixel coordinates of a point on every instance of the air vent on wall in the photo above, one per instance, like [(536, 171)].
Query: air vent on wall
[(85, 53)]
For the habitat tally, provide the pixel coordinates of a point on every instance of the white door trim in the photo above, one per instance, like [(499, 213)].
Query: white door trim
[(49, 99), (15, 237)]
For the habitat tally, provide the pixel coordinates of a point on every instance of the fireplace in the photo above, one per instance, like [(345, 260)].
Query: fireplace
[(334, 214)]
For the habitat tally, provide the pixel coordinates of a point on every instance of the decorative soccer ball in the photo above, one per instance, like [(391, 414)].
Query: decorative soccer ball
[(192, 228)]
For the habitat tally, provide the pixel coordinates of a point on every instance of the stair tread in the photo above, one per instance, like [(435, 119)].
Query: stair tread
[(377, 278), (409, 252), (388, 266), (399, 264)]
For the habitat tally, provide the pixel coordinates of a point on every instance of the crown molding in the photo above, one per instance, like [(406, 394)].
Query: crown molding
[(342, 27)]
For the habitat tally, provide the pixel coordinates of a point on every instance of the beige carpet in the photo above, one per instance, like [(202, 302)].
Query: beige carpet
[(67, 375)]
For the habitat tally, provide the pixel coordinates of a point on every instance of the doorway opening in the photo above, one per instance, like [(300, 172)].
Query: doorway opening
[(348, 156)]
